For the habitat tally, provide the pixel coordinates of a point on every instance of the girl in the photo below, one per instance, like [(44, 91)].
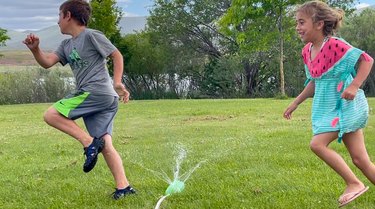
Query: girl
[(339, 109)]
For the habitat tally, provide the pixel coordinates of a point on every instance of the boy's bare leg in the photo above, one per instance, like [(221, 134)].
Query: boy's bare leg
[(66, 125), (114, 163)]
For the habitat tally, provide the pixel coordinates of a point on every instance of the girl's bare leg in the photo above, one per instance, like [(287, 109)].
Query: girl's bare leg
[(319, 145)]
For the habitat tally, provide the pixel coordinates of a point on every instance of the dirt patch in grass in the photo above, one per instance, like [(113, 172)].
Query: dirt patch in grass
[(209, 118)]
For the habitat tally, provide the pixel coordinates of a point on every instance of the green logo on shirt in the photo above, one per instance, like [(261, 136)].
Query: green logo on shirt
[(74, 56), (76, 62)]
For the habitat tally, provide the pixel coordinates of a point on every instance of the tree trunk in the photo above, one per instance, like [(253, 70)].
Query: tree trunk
[(282, 79), (251, 71)]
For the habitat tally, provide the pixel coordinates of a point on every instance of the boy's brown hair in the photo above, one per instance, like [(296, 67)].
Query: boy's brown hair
[(80, 10)]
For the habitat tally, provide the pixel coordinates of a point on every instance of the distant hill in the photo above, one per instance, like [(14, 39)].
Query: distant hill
[(51, 37), (131, 25)]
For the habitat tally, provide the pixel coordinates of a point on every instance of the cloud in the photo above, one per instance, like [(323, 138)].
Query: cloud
[(128, 14), (23, 15), (362, 5)]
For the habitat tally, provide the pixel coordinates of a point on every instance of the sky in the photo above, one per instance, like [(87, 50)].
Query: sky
[(23, 15), (364, 3)]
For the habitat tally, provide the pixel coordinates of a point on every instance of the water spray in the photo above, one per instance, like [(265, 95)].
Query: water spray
[(178, 183)]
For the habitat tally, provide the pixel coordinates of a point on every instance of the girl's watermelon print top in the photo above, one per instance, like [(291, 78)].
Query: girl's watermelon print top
[(333, 70)]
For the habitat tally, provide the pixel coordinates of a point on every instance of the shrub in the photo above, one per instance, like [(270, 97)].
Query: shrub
[(35, 85)]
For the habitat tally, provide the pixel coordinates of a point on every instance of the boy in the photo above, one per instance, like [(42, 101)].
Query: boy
[(95, 98)]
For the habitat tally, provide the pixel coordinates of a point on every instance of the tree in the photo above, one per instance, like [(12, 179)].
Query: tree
[(189, 30), (3, 37), (258, 26), (227, 47), (358, 33), (146, 75), (105, 18)]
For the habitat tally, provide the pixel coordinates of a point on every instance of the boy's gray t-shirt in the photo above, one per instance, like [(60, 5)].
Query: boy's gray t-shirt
[(86, 55)]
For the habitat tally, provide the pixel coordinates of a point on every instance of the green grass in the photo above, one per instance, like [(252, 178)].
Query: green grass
[(253, 158)]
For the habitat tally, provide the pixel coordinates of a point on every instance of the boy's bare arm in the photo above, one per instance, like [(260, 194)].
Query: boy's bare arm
[(118, 69), (46, 60), (118, 66)]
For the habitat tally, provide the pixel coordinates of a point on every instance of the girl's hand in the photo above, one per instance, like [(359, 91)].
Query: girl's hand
[(122, 92), (350, 92), (289, 110), (31, 41)]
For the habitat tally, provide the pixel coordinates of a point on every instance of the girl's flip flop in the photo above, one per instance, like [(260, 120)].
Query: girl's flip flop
[(353, 196)]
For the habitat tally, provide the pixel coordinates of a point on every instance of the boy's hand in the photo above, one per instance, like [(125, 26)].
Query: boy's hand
[(289, 110), (122, 92), (31, 41)]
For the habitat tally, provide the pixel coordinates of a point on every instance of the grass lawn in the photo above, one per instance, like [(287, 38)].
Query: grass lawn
[(253, 158)]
